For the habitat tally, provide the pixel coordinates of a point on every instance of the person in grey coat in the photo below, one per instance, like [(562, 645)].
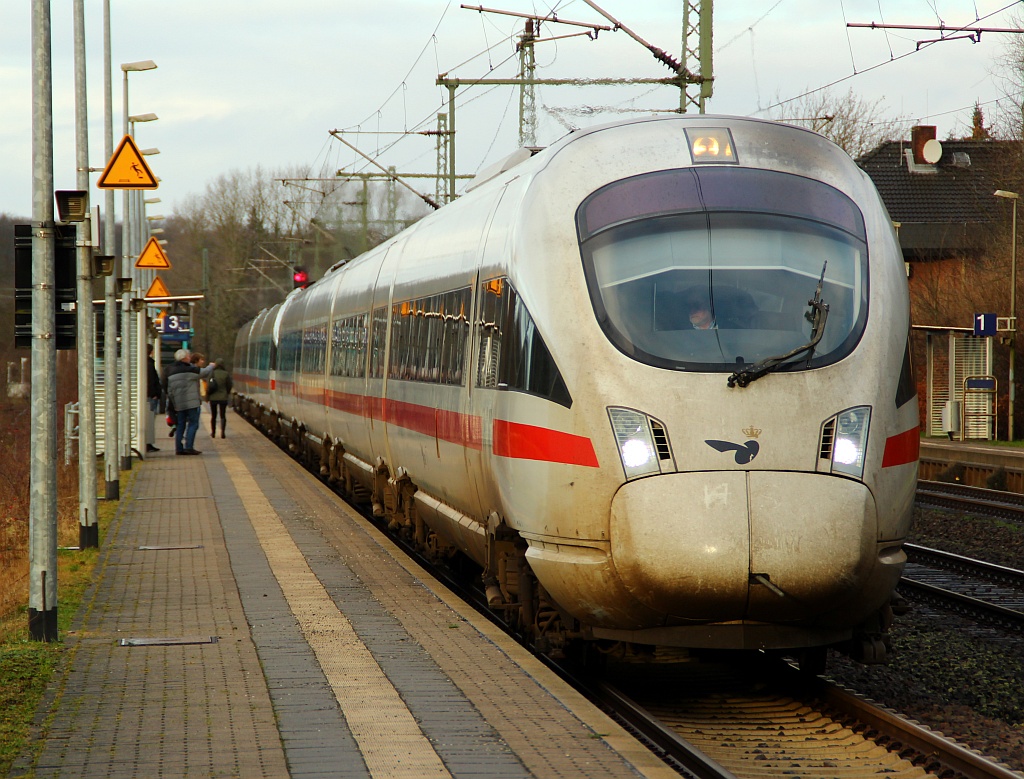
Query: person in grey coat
[(181, 383)]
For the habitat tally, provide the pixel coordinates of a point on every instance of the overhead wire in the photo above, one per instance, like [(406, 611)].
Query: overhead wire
[(924, 45), (749, 29)]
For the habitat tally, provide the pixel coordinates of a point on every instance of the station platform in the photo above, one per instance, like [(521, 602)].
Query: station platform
[(975, 450), (244, 622), (974, 462)]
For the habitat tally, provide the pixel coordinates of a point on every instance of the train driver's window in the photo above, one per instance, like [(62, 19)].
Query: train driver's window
[(727, 279)]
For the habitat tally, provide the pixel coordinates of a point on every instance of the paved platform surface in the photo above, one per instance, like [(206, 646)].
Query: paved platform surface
[(245, 623)]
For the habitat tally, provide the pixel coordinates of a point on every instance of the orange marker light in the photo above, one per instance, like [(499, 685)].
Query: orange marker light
[(711, 144)]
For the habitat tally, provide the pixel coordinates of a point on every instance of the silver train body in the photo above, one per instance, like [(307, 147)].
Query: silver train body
[(519, 377)]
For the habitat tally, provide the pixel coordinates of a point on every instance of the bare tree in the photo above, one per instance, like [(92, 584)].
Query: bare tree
[(856, 124), (1008, 72)]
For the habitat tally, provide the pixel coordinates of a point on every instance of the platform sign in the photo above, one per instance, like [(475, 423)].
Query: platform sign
[(127, 169), (980, 383), (158, 289), (153, 256), (174, 326), (984, 324)]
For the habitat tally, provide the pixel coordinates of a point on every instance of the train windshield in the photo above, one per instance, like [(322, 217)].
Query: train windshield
[(713, 269)]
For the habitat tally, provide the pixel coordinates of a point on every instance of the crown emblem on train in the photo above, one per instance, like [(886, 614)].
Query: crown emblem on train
[(751, 432)]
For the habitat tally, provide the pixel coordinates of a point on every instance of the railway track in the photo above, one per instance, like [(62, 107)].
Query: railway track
[(979, 590), (961, 497), (974, 588), (768, 720)]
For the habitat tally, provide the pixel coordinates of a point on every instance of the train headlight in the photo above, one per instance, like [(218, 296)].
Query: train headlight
[(635, 442), (850, 440)]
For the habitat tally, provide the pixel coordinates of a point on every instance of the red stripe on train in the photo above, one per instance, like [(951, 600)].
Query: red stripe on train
[(902, 448), (511, 439), (526, 442)]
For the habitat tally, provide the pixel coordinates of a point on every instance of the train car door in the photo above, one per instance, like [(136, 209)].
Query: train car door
[(494, 253), (377, 374)]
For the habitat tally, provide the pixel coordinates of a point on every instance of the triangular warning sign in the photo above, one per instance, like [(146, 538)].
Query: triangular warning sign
[(153, 256), (127, 169), (157, 290)]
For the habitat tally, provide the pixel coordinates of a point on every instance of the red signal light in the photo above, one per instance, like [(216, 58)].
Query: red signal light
[(300, 278)]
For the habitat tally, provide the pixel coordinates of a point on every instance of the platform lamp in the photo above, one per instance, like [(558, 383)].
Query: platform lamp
[(1013, 302)]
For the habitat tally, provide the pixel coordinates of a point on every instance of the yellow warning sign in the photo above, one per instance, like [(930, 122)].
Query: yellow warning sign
[(157, 289), (153, 256), (127, 169)]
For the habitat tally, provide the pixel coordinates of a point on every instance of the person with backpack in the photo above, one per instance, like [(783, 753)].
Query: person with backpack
[(218, 393)]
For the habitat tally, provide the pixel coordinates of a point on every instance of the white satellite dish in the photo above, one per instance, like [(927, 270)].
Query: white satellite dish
[(932, 151)]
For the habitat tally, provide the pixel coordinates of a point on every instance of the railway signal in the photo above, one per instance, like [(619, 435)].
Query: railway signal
[(300, 279)]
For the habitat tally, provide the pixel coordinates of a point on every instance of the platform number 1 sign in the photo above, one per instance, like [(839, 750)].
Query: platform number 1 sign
[(984, 324)]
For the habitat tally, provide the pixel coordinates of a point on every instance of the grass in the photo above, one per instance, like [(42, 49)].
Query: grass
[(27, 666)]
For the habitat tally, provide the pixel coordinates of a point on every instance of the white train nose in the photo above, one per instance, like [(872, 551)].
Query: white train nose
[(736, 545)]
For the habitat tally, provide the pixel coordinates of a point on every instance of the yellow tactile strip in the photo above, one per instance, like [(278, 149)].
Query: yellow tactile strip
[(550, 727), (391, 742)]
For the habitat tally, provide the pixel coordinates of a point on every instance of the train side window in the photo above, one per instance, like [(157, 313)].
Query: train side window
[(289, 350), (512, 351), (428, 338), (489, 326), (314, 349), (357, 347), (348, 347), (378, 336), (454, 332)]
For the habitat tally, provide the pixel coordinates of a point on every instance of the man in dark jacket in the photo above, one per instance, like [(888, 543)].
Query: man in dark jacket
[(181, 383)]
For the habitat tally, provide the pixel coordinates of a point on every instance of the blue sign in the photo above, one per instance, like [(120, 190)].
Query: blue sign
[(171, 324), (984, 324), (982, 384)]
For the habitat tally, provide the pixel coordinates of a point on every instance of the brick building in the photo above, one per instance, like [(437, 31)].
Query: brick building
[(955, 236)]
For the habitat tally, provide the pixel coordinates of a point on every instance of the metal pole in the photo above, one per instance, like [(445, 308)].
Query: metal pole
[(1013, 315), (110, 431), (88, 529), (451, 139), (126, 333), (142, 414), (42, 588)]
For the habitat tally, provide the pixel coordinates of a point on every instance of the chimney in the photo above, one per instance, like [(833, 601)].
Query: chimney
[(919, 136)]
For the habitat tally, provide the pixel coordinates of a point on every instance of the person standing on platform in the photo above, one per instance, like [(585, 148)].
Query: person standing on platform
[(181, 383), (218, 392), (153, 394)]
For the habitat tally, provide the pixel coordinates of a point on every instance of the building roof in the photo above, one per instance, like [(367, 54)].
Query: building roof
[(943, 207)]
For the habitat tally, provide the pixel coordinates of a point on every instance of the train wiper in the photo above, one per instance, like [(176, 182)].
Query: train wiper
[(817, 315)]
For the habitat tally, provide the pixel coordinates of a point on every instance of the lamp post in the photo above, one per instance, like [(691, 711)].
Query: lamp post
[(88, 527), (1013, 302), (141, 277), (125, 431)]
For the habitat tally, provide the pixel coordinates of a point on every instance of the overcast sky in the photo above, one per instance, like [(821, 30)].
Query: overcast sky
[(262, 82)]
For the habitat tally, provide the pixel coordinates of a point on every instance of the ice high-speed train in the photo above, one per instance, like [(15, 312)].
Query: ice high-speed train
[(654, 379)]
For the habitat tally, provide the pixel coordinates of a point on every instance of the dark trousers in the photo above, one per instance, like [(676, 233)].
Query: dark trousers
[(218, 407)]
